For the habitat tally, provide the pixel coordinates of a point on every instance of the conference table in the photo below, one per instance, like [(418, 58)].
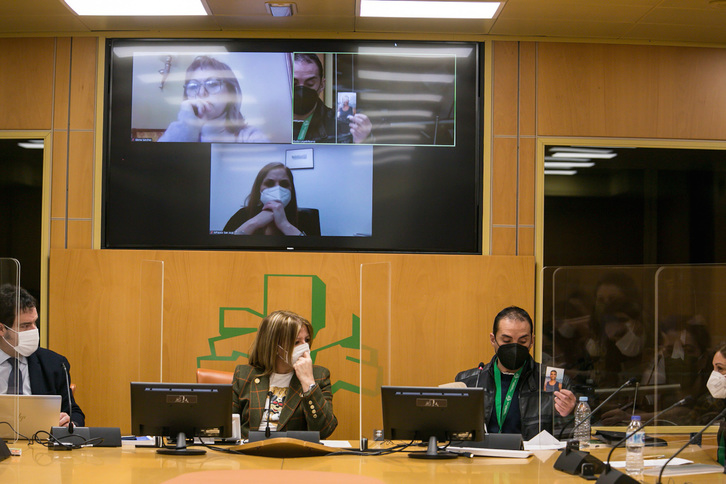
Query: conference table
[(129, 464)]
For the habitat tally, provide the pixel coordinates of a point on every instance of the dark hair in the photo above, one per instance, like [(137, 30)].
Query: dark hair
[(515, 313), (252, 202), (10, 306), (233, 113), (722, 350), (311, 59)]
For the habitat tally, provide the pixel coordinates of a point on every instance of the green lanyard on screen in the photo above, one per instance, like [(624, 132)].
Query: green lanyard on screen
[(304, 128), (502, 411)]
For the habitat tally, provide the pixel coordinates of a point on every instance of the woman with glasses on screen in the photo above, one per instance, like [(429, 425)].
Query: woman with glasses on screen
[(210, 109), (280, 389)]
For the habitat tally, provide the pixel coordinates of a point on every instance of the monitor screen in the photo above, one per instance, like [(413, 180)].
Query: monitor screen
[(419, 413), (181, 410), (293, 144)]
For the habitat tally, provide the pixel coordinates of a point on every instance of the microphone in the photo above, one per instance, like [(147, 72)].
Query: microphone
[(70, 402), (269, 404), (571, 459), (627, 383), (612, 476), (693, 437), (481, 367)]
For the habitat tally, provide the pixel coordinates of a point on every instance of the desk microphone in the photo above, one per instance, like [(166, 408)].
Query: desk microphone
[(693, 437), (632, 381), (269, 404), (70, 402), (571, 459), (612, 476), (481, 368)]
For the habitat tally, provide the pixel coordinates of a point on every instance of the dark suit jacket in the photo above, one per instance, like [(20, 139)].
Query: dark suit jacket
[(301, 412), (47, 377)]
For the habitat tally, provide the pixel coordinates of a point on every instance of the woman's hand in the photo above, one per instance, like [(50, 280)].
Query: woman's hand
[(304, 370), (261, 220), (280, 218)]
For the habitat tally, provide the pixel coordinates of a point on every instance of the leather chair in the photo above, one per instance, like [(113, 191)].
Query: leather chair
[(206, 375)]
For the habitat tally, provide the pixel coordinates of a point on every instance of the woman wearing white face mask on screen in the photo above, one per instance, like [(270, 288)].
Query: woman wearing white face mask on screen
[(717, 386), (271, 207), (280, 385)]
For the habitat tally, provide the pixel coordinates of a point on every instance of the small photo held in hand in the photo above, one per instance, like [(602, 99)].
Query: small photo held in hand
[(347, 103), (553, 379)]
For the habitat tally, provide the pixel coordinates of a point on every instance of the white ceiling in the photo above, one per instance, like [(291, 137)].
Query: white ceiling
[(670, 21)]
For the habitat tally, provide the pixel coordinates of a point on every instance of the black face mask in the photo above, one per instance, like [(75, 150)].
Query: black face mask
[(513, 356), (304, 100)]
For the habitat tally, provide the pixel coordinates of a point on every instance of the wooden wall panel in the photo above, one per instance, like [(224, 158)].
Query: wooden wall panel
[(61, 87), (26, 78), (505, 88), (83, 83), (527, 88), (504, 240), (58, 234), (441, 313), (59, 172), (631, 91), (80, 234), (526, 181), (504, 181), (80, 175)]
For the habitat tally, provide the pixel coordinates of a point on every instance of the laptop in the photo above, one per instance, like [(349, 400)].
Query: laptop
[(28, 414)]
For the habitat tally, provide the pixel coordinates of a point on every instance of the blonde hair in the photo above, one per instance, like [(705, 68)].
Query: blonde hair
[(279, 328)]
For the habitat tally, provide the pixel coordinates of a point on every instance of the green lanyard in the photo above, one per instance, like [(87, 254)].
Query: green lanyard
[(502, 411), (304, 128)]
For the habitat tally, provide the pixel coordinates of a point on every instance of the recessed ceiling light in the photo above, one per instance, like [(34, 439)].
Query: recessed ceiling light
[(148, 8), (560, 172), (428, 9), (281, 9), (602, 156), (564, 165)]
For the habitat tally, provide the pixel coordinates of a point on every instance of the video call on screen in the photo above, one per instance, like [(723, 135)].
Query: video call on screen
[(374, 145)]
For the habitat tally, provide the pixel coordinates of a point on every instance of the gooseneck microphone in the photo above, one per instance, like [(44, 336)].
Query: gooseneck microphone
[(269, 404), (612, 476), (693, 437), (480, 368), (70, 402), (632, 381)]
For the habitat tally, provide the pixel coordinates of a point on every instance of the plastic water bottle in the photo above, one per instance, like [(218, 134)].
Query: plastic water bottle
[(582, 432), (634, 445)]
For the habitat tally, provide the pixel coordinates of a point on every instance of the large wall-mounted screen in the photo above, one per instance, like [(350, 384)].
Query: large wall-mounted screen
[(281, 144)]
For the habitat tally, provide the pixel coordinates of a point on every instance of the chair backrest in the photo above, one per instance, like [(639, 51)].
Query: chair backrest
[(205, 375)]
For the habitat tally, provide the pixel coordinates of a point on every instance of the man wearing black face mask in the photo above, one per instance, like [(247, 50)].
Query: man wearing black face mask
[(512, 381), (312, 119)]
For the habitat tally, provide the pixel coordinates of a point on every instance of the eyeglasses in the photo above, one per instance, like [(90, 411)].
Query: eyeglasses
[(212, 86)]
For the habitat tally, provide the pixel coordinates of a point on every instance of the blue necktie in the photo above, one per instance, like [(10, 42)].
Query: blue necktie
[(16, 377)]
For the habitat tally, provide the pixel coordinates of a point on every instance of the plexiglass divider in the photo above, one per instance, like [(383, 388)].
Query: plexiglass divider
[(10, 274), (603, 325), (151, 322), (375, 344)]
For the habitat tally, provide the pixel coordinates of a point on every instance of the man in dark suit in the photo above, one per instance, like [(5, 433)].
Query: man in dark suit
[(24, 367)]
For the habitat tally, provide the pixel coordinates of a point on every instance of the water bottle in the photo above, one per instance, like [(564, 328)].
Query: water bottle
[(582, 430), (634, 446)]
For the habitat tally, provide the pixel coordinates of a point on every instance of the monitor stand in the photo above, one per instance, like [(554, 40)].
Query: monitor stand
[(432, 452), (181, 447)]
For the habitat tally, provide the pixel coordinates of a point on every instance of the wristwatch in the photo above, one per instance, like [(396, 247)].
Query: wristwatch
[(311, 387)]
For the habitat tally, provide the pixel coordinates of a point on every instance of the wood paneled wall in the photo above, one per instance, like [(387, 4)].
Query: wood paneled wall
[(122, 316)]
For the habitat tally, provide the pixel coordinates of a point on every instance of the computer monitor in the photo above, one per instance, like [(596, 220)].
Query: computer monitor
[(181, 410), (432, 414)]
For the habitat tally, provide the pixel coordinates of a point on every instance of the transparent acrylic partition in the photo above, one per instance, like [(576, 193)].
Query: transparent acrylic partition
[(151, 322), (10, 274), (599, 332), (690, 304), (375, 344)]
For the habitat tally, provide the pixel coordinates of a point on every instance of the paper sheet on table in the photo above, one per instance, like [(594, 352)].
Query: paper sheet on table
[(544, 441), (341, 444), (620, 464)]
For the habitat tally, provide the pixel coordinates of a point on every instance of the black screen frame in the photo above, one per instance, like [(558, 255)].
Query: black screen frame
[(419, 218)]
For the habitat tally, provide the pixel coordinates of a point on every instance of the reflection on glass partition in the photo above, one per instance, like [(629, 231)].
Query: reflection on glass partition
[(10, 275), (605, 325), (375, 344)]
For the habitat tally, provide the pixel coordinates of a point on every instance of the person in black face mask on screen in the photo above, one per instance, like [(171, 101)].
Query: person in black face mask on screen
[(314, 121), (512, 381)]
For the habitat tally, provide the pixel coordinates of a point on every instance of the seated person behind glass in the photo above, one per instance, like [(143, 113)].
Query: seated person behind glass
[(512, 383), (280, 386), (210, 110), (271, 207), (312, 119)]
